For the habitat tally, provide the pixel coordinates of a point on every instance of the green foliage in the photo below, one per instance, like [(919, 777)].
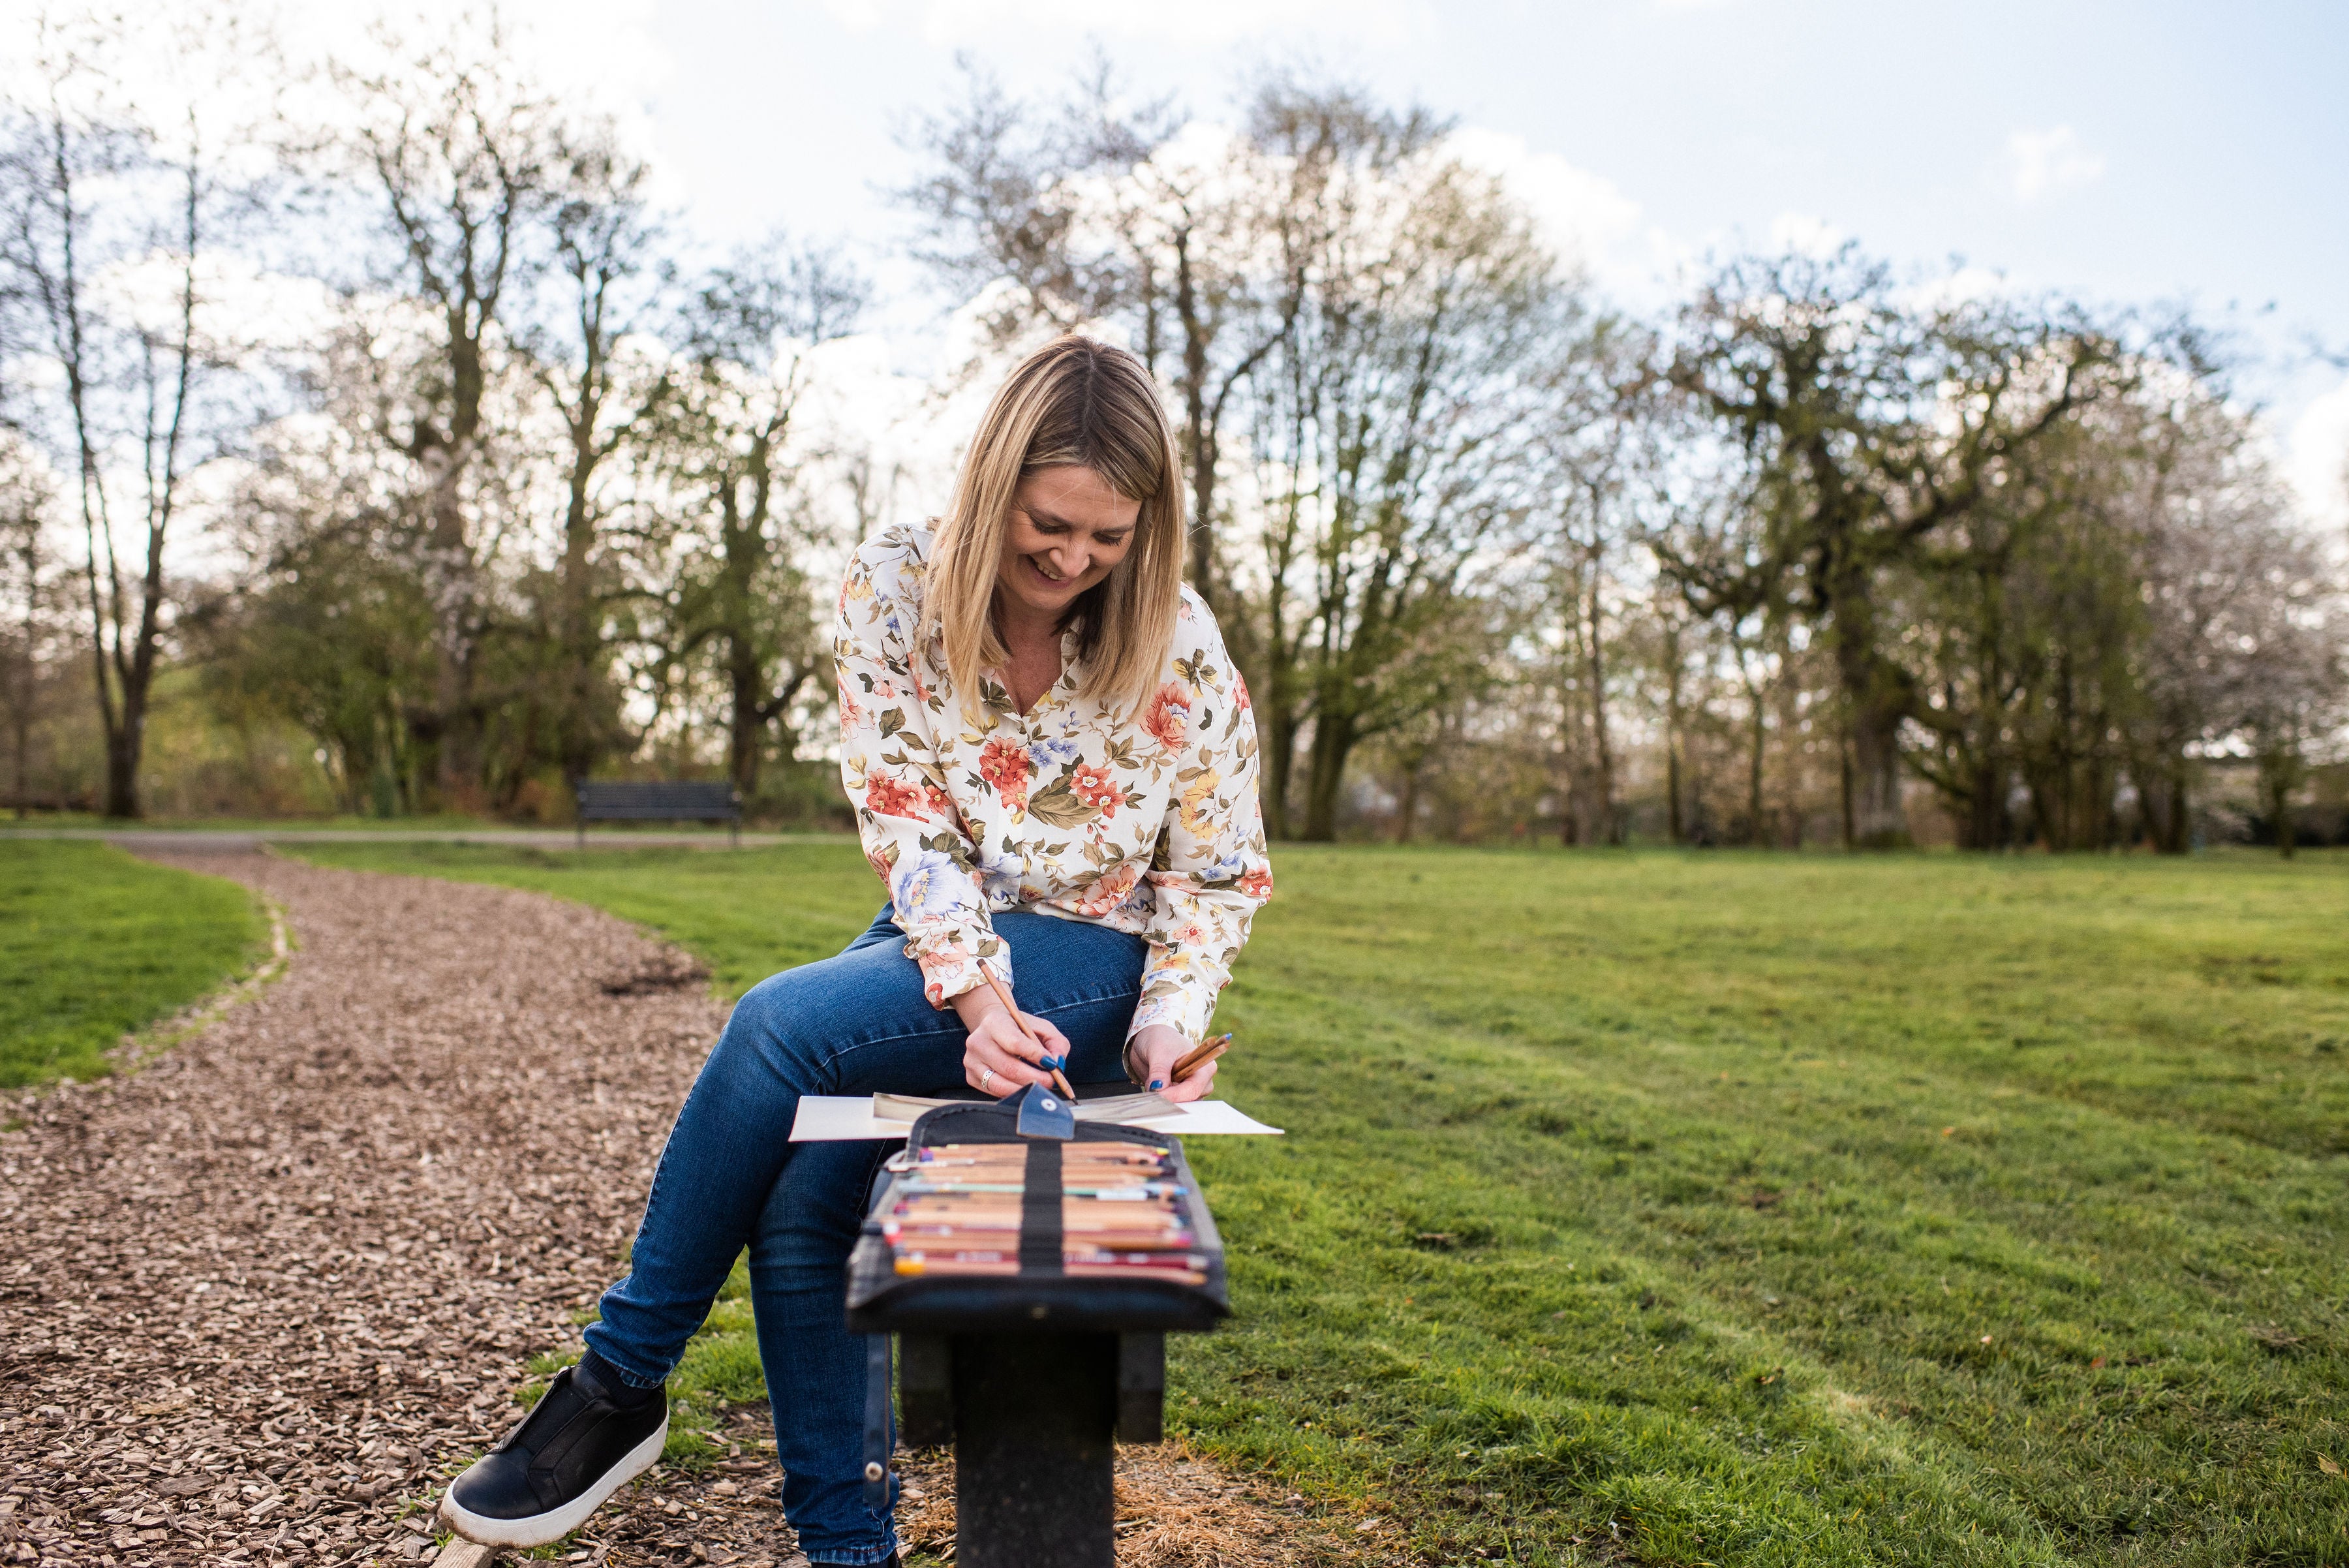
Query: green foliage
[(1761, 1209), (95, 944)]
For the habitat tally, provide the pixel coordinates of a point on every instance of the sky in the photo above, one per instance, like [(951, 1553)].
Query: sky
[(2151, 152)]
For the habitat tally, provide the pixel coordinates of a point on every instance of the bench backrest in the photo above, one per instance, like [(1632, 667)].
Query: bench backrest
[(657, 800)]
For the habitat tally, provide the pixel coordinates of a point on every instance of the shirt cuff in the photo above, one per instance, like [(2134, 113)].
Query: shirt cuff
[(951, 968), (1176, 997)]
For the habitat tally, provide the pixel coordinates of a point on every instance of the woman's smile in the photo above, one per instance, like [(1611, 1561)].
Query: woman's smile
[(1067, 531), (1053, 578)]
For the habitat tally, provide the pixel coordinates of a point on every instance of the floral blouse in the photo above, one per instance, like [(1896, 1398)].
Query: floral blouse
[(1148, 824)]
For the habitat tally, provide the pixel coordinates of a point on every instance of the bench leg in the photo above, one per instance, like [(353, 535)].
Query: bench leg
[(1034, 1474)]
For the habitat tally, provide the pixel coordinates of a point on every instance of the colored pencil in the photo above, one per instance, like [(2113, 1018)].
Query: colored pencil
[(1200, 1055), (1059, 1080)]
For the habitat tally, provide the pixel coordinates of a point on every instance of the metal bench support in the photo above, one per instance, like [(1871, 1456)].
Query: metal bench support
[(1034, 1481), (1032, 1417)]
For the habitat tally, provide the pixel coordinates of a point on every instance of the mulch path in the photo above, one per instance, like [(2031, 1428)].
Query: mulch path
[(261, 1297)]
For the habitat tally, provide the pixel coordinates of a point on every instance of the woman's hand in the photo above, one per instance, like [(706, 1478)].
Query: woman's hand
[(997, 1059), (1151, 1056)]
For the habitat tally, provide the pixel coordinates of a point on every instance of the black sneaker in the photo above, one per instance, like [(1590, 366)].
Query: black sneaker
[(576, 1448)]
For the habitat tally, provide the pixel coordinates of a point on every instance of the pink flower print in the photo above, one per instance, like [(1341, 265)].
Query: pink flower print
[(1004, 765), (1093, 785), (890, 797), (1167, 718), (1109, 891)]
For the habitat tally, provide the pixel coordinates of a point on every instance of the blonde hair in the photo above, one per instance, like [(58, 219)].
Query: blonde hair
[(1073, 403)]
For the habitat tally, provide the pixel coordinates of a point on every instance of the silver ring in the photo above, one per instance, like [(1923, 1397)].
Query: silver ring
[(984, 1074)]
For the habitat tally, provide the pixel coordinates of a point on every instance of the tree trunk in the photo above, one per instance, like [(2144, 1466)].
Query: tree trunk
[(580, 743), (122, 750), (453, 727), (2279, 777), (744, 719), (1408, 812), (743, 544), (1877, 820), (1198, 433), (1675, 828), (1333, 742), (1279, 722), (1985, 821), (1843, 780), (1602, 752), (1876, 700), (2168, 806), (1755, 833), (20, 726)]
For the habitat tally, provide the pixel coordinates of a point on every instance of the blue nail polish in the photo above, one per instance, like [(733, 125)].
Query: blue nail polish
[(1157, 1083)]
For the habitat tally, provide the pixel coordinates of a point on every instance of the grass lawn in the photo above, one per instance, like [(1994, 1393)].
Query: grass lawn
[(1741, 1209), (94, 943)]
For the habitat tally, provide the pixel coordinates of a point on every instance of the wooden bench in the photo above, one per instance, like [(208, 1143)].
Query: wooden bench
[(660, 800)]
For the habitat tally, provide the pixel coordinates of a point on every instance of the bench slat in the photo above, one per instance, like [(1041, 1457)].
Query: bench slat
[(656, 801)]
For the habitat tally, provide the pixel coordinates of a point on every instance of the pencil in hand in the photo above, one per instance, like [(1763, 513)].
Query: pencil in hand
[(1059, 1081), (1199, 1056)]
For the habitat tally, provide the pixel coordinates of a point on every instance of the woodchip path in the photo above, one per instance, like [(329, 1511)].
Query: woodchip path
[(260, 1297)]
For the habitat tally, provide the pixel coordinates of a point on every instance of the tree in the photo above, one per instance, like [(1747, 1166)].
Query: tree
[(750, 333), (2243, 646), (463, 154), (1191, 236), (1388, 431), (1876, 428), (1597, 445), (326, 621), (603, 241), (2030, 609), (110, 219), (28, 594)]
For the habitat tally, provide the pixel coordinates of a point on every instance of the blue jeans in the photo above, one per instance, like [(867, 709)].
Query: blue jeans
[(846, 1025)]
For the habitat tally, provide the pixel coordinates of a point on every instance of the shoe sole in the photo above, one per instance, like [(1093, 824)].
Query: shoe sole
[(538, 1528)]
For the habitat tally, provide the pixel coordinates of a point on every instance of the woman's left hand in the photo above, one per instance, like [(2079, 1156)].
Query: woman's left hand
[(1154, 1051)]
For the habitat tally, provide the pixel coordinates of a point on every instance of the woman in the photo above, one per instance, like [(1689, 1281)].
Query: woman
[(1054, 766)]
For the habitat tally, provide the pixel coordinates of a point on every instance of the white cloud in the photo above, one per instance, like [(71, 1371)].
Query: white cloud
[(1806, 234), (1381, 23), (2316, 458), (2043, 163), (1582, 214), (1964, 285)]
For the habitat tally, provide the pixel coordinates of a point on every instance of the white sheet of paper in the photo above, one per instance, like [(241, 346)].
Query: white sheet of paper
[(831, 1119)]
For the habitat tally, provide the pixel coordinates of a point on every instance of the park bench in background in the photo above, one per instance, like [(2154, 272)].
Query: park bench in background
[(660, 800), (1030, 1375)]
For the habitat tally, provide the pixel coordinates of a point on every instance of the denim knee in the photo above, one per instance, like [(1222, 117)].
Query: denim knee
[(765, 1041)]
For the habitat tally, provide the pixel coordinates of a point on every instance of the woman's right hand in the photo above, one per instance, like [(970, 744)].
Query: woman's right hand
[(997, 1059)]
